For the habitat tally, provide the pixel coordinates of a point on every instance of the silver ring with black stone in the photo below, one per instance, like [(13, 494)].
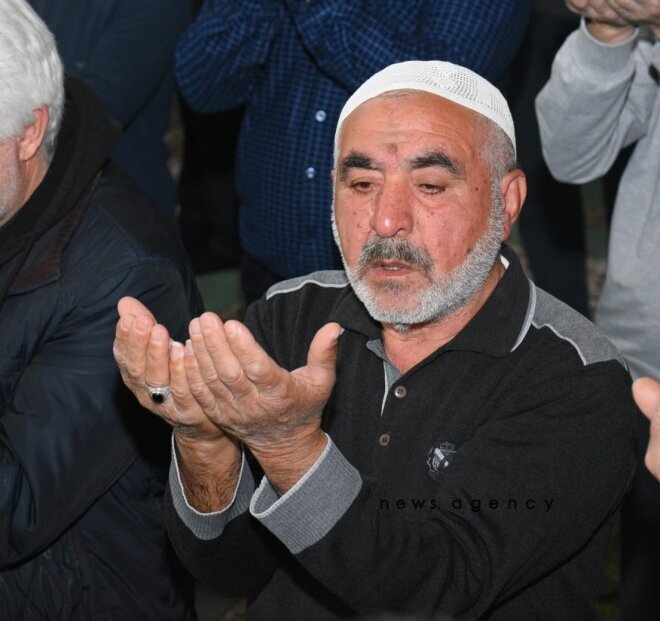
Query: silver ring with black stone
[(159, 394)]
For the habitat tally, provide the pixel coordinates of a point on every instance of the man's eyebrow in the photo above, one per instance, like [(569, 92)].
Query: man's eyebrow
[(355, 160), (437, 158)]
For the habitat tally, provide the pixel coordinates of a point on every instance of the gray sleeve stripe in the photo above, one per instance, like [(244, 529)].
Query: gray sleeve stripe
[(207, 526), (310, 509), (531, 309), (331, 278), (564, 338), (588, 340)]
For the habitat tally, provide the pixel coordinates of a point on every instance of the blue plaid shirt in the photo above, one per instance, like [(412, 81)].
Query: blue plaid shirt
[(294, 64)]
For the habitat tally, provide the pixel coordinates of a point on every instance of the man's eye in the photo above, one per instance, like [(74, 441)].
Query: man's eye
[(362, 186), (429, 188)]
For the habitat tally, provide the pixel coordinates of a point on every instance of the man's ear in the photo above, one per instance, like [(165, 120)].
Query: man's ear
[(33, 135), (514, 190)]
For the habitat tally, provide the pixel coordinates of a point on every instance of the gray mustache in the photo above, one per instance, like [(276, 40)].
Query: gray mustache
[(392, 249)]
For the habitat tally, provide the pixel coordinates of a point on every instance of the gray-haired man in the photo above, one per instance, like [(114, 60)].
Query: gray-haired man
[(82, 468), (431, 431)]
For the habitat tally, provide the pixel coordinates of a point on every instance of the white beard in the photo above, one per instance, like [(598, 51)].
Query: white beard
[(445, 293)]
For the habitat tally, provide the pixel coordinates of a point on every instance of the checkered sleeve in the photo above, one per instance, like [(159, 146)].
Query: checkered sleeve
[(352, 40), (218, 60)]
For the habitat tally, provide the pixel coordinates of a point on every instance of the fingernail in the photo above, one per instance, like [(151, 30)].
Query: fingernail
[(127, 321), (189, 347), (231, 328), (207, 322), (194, 328), (176, 350)]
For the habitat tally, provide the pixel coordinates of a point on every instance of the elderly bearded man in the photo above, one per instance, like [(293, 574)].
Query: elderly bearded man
[(431, 431)]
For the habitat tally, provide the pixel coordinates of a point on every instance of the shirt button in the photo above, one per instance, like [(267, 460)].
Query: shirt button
[(400, 392), (320, 116), (310, 172), (384, 440)]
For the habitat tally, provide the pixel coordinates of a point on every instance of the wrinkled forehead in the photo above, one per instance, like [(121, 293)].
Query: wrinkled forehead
[(415, 104)]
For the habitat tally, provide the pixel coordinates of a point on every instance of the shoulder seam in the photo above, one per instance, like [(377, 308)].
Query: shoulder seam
[(300, 285), (591, 345), (563, 338)]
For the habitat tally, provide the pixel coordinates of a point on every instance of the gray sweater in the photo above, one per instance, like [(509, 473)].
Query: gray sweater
[(601, 98)]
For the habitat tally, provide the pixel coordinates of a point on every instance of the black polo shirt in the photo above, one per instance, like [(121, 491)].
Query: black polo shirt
[(482, 482)]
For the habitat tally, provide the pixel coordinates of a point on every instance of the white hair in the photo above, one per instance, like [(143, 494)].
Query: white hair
[(31, 73)]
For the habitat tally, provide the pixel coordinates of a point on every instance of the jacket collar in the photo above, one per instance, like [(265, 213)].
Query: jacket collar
[(45, 259)]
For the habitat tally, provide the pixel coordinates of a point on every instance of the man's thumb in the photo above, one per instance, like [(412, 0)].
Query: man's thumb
[(322, 354), (131, 306)]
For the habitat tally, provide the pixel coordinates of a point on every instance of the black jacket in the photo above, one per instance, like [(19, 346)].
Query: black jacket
[(82, 466), (482, 483)]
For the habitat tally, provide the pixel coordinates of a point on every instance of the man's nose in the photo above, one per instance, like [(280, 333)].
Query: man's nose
[(393, 211)]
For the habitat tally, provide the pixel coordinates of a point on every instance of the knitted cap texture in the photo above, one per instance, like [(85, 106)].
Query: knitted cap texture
[(453, 82)]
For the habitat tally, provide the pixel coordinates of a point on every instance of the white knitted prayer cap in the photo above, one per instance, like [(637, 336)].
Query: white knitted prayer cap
[(445, 79)]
